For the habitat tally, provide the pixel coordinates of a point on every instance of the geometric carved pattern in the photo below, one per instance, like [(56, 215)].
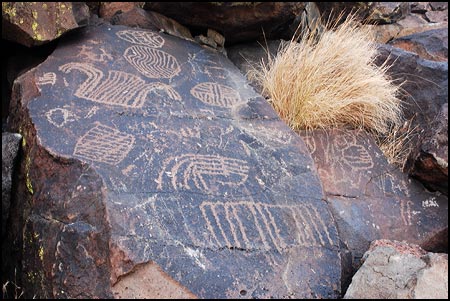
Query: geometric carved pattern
[(118, 88), (203, 171), (145, 38), (104, 144), (216, 94), (250, 225), (152, 63)]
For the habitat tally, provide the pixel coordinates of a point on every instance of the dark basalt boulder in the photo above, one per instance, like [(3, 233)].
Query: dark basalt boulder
[(149, 160)]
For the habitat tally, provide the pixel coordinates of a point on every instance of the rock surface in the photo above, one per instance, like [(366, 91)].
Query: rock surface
[(371, 199), (36, 23), (10, 148), (426, 93), (397, 270), (237, 21), (145, 153)]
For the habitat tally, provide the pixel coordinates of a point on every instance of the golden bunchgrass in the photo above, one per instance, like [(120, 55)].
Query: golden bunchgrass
[(330, 80)]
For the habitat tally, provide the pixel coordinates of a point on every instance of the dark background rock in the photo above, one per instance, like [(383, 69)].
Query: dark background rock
[(10, 149), (237, 21), (371, 199), (36, 23), (425, 86), (202, 179)]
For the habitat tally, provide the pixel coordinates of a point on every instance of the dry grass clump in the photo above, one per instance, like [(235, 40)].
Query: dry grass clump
[(330, 80)]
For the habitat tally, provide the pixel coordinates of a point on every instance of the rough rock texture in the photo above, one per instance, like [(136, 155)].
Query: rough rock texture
[(430, 45), (372, 200), (107, 10), (138, 17), (237, 21), (397, 270), (426, 93), (10, 148), (145, 149), (36, 23)]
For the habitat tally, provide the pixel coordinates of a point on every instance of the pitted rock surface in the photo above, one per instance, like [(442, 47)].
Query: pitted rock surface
[(371, 199), (148, 149)]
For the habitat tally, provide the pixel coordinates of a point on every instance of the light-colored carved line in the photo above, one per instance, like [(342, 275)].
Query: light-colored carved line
[(208, 222), (215, 94), (219, 224), (324, 227), (300, 229), (145, 38), (275, 227), (151, 62), (48, 78), (258, 226), (94, 77), (278, 242), (309, 237), (315, 227), (231, 224)]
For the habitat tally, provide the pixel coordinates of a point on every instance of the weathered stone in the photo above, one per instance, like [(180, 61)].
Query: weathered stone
[(238, 21), (248, 56), (10, 148), (36, 23), (138, 17), (369, 198), (397, 270), (430, 45), (107, 10), (437, 16), (438, 5), (145, 150), (425, 84)]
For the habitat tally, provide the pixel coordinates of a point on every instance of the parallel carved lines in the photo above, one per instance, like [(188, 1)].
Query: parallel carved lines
[(216, 94), (104, 144), (152, 63), (264, 226), (146, 38)]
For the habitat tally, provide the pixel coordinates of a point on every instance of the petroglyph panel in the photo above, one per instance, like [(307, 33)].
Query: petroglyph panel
[(152, 63), (104, 144), (48, 78), (145, 38), (203, 171), (118, 88), (87, 53), (405, 212), (59, 117), (216, 94), (250, 225)]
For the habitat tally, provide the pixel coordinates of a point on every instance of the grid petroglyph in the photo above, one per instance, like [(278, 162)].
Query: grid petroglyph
[(216, 94), (145, 38), (202, 171), (104, 144), (117, 88), (48, 78), (251, 225), (152, 63)]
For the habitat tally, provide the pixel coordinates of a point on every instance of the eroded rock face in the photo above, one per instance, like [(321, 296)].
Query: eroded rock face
[(36, 23), (372, 199), (426, 93), (237, 22), (397, 270), (150, 153)]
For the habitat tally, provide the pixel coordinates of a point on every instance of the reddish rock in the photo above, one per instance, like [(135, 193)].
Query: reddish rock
[(425, 84), (36, 23), (429, 45), (148, 160), (237, 21), (372, 199), (107, 10), (397, 270)]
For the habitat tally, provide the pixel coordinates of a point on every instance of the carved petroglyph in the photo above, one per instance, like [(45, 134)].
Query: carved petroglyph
[(353, 154), (405, 212), (59, 117), (264, 134), (252, 225), (48, 78), (152, 63), (145, 38), (104, 144), (87, 53), (216, 94), (118, 88), (203, 171)]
